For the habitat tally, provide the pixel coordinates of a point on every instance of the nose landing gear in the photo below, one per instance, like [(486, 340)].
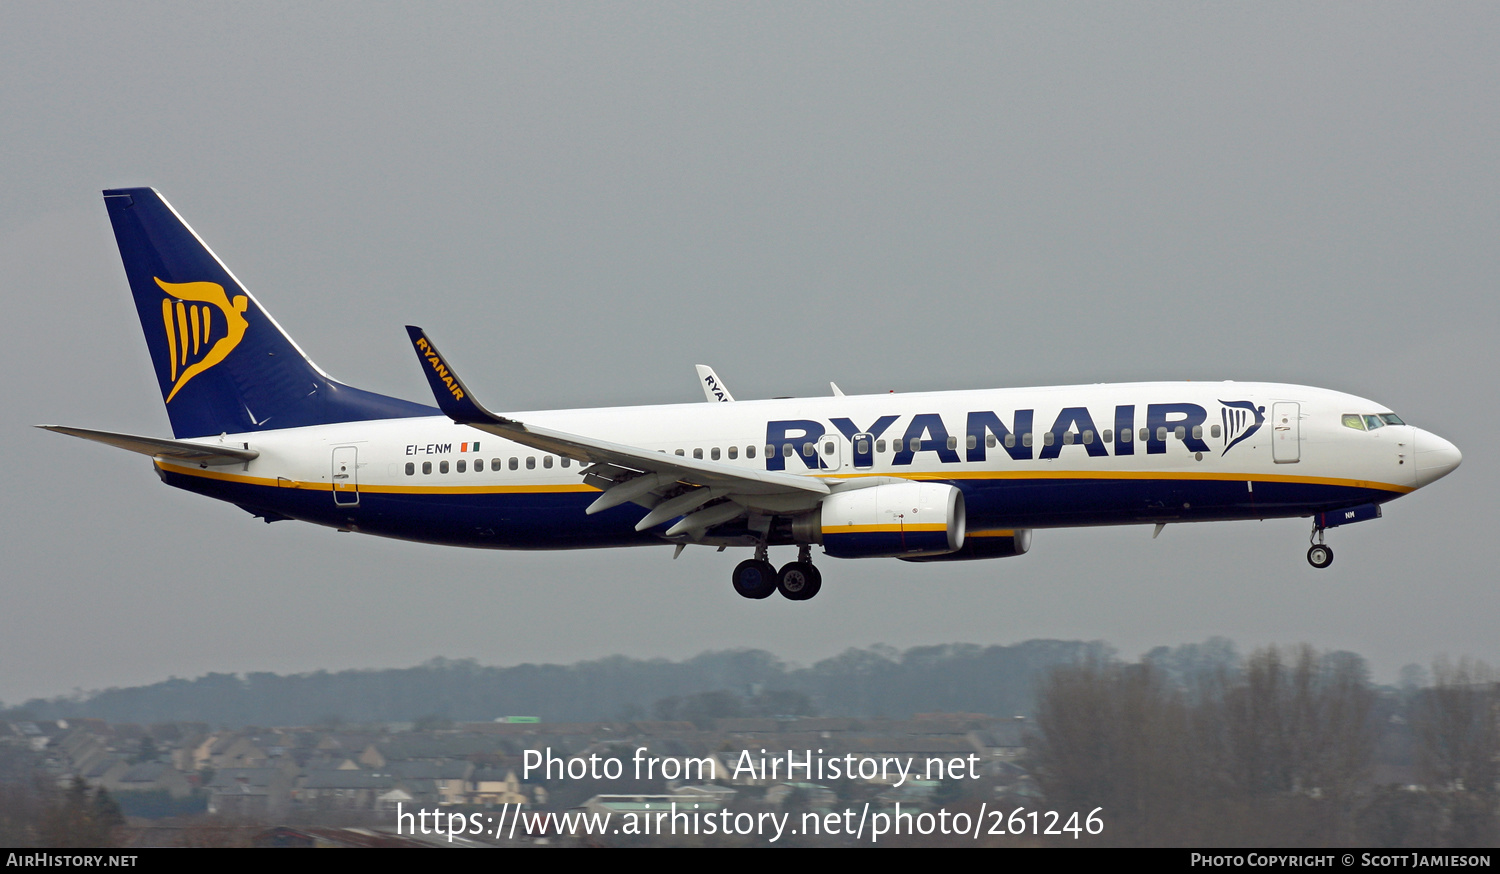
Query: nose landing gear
[(1321, 554)]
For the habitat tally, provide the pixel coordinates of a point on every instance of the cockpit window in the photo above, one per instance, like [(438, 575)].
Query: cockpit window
[(1370, 421)]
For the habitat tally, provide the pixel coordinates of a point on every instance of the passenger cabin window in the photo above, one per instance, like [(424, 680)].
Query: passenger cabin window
[(463, 466), (1197, 432), (567, 462), (861, 448), (1026, 439), (828, 448), (410, 468), (442, 467), (989, 441), (1214, 431), (952, 442), (426, 467), (680, 452), (1125, 435), (1049, 438), (514, 462), (880, 445), (546, 461), (734, 452), (479, 465), (809, 450), (698, 453), (750, 451), (531, 462), (1010, 441), (713, 454), (1146, 434), (1109, 436), (915, 444), (1161, 433), (1088, 437)]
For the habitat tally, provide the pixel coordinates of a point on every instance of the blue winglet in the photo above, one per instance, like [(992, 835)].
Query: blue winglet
[(453, 397)]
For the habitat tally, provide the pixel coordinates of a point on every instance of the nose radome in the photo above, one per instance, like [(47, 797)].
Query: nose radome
[(1436, 457)]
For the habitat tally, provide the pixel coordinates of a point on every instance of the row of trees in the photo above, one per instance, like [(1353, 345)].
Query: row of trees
[(878, 681), (1277, 749)]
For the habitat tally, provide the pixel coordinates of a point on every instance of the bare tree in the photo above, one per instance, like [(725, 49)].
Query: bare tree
[(1456, 728), (1458, 741)]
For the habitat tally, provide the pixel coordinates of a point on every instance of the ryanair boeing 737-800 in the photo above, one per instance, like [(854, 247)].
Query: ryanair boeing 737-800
[(939, 476)]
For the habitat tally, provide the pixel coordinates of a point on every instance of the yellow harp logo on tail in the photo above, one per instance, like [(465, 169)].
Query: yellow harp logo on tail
[(203, 326)]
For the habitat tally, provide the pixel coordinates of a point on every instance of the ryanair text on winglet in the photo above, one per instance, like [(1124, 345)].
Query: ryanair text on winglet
[(439, 368)]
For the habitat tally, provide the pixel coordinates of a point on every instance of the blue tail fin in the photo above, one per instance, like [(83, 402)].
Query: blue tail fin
[(223, 363)]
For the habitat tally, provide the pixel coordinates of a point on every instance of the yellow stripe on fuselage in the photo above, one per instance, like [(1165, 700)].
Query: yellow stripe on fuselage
[(941, 476), (274, 482)]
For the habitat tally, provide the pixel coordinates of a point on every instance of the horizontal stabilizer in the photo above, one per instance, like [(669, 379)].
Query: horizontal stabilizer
[(180, 450)]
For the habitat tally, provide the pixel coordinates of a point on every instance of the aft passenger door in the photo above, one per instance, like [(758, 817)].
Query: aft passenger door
[(1286, 431), (346, 476)]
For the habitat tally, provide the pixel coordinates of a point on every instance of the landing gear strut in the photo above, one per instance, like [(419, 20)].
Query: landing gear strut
[(1321, 554)]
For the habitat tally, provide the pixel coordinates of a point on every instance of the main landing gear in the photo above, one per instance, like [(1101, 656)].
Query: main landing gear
[(757, 578), (1321, 554)]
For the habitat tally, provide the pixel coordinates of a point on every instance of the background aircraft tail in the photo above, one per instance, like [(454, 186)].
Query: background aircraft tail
[(222, 362)]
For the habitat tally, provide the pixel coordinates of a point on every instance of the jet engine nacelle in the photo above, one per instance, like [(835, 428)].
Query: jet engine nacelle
[(899, 519), (985, 544)]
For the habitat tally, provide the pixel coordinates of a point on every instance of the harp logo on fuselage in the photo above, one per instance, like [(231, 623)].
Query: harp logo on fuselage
[(197, 339)]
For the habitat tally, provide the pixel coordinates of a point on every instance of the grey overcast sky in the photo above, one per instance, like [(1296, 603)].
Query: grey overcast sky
[(582, 201)]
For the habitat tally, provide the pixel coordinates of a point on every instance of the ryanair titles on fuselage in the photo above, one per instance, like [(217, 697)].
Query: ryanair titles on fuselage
[(1017, 437)]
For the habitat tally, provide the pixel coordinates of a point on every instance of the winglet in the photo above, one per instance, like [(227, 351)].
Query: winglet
[(453, 397), (713, 387)]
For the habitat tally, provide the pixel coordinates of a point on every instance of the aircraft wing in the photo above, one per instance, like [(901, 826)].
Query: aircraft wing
[(626, 473), (180, 450)]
